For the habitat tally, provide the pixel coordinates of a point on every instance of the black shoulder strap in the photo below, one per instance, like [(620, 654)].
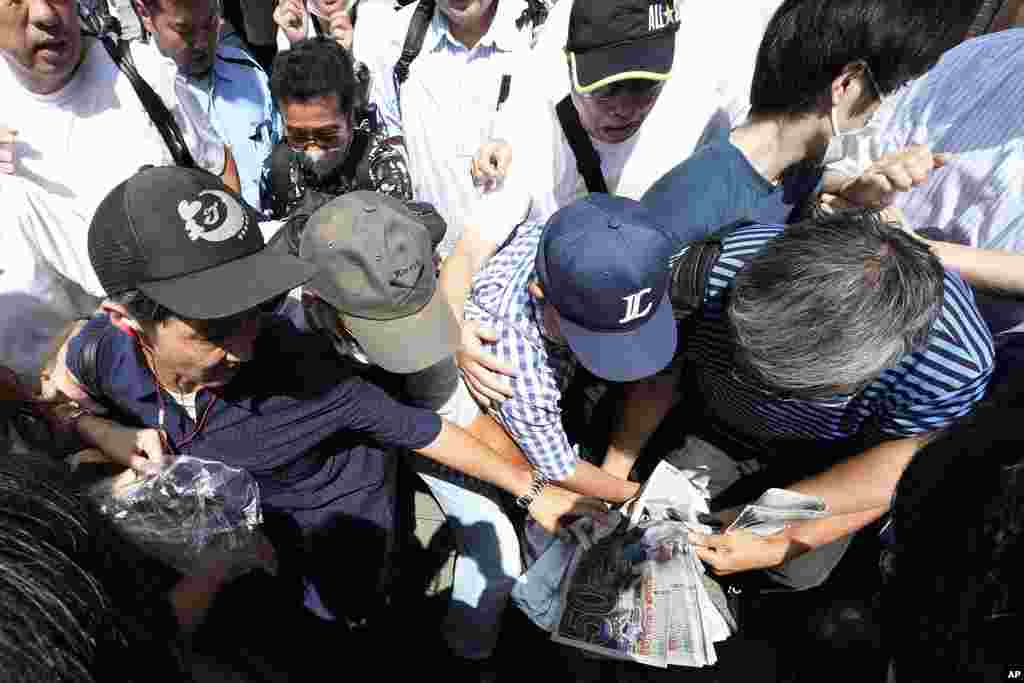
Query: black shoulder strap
[(688, 282), (421, 18), (99, 23), (357, 164), (588, 163), (158, 112), (535, 14)]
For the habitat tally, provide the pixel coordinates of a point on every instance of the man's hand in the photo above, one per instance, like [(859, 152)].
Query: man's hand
[(290, 16), (8, 158), (482, 371), (554, 507), (491, 164), (896, 172), (341, 25), (740, 551), (140, 449)]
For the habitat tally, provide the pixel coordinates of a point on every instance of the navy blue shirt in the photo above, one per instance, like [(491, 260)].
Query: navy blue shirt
[(315, 436), (718, 186)]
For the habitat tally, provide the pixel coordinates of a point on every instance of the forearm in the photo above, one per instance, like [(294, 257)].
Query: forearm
[(595, 482), (990, 269), (645, 404), (865, 481), (97, 432), (801, 537), (456, 278), (461, 451)]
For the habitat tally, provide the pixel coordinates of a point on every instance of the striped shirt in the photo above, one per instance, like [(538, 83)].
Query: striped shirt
[(926, 391), (978, 196), (500, 300)]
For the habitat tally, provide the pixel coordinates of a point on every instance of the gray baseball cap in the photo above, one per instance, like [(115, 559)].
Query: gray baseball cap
[(376, 269)]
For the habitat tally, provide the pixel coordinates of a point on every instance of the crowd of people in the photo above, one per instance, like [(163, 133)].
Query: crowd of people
[(525, 249)]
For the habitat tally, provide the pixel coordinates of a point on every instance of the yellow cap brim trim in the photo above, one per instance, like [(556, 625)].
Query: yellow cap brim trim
[(615, 78)]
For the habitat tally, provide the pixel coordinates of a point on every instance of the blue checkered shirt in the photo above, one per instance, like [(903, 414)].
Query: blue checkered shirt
[(500, 300)]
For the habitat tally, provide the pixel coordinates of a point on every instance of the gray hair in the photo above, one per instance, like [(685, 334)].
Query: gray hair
[(833, 302)]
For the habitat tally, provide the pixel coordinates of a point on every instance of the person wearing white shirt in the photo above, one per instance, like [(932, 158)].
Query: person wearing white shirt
[(706, 96), (73, 128), (466, 69)]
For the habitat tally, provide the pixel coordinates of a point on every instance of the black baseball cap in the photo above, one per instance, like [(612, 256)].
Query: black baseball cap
[(612, 40), (376, 269), (189, 243)]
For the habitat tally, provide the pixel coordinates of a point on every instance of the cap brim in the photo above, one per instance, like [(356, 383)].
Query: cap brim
[(408, 344), (625, 356), (648, 59), (230, 288)]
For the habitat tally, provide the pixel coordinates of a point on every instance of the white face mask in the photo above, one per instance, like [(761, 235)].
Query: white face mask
[(837, 149)]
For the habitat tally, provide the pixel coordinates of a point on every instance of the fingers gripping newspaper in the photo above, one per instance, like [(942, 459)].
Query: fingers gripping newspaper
[(633, 588)]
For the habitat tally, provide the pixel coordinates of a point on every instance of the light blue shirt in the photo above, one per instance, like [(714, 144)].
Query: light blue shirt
[(236, 97), (969, 105)]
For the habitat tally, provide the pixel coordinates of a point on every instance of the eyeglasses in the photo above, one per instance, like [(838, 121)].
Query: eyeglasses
[(327, 139), (870, 76)]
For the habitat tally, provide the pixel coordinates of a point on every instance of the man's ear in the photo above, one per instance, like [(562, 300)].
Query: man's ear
[(121, 319), (841, 83), (535, 289)]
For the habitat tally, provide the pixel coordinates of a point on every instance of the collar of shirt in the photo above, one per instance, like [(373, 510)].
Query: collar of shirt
[(501, 35)]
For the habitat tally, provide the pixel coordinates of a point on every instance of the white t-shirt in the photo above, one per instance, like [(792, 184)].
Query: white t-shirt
[(707, 95), (73, 147)]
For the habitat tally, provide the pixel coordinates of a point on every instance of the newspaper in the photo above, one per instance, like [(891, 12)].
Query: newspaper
[(633, 587), (637, 590), (769, 514)]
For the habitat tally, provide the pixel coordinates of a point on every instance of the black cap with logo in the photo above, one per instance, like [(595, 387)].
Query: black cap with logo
[(612, 40), (189, 243)]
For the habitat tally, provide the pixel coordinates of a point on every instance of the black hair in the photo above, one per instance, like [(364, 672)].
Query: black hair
[(955, 605), (63, 585), (312, 68), (807, 44)]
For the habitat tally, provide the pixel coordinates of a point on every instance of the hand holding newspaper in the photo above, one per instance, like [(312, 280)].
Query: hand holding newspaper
[(632, 587)]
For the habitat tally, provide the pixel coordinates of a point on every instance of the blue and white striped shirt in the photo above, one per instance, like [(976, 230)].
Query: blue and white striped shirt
[(926, 391), (500, 300)]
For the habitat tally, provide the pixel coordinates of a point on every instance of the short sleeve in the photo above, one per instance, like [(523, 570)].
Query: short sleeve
[(943, 382), (371, 411)]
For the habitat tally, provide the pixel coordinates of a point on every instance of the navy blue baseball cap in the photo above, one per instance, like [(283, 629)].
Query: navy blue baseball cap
[(603, 263)]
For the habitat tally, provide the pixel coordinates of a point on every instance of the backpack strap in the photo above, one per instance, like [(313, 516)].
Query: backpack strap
[(158, 112), (688, 281), (588, 163), (421, 18)]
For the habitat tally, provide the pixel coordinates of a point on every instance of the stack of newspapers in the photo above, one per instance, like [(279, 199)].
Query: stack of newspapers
[(631, 587)]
